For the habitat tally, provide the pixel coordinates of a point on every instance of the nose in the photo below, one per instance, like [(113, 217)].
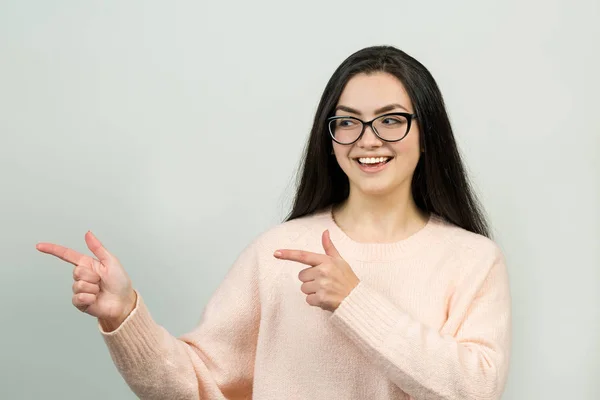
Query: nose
[(369, 139)]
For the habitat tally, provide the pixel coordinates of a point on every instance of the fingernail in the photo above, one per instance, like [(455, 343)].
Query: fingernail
[(277, 254)]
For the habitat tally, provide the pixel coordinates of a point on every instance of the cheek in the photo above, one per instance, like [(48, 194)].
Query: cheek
[(408, 147), (408, 153), (340, 153)]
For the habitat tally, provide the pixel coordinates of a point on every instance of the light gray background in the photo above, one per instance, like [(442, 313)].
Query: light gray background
[(172, 130)]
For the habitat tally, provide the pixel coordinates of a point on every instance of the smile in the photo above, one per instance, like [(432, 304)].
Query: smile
[(372, 164)]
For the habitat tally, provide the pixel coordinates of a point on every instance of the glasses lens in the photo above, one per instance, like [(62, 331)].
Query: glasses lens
[(345, 130), (391, 127)]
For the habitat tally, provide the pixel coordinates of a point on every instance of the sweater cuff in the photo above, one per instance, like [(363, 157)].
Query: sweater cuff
[(366, 317), (136, 339)]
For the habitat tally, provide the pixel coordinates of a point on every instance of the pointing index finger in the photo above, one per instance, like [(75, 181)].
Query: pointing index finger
[(301, 256), (64, 253)]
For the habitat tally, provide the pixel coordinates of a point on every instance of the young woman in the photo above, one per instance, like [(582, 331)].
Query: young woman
[(381, 284)]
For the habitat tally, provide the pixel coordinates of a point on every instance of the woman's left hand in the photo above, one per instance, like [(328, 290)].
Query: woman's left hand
[(329, 279)]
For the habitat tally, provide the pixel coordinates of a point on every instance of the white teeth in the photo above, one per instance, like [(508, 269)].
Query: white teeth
[(372, 160)]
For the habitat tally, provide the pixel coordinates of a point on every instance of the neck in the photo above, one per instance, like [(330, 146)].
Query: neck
[(386, 218)]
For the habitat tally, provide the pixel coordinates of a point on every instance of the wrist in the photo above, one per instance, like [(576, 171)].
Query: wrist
[(112, 323)]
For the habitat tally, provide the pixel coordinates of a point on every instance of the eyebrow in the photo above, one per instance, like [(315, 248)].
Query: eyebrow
[(381, 110)]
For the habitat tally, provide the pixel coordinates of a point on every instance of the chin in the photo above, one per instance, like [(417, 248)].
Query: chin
[(374, 189), (380, 186)]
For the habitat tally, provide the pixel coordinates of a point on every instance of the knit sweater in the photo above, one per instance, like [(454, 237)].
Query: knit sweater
[(430, 319)]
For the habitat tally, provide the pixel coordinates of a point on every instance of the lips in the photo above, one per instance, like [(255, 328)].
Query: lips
[(372, 165)]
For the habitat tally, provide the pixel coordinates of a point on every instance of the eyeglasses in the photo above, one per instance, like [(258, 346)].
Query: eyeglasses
[(391, 127)]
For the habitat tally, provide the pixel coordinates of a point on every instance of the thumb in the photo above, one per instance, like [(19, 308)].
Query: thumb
[(97, 248), (328, 246)]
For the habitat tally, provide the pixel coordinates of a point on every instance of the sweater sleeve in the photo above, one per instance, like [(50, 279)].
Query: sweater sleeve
[(472, 364), (214, 361)]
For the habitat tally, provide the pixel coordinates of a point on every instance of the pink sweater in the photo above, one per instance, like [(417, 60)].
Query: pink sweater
[(430, 319)]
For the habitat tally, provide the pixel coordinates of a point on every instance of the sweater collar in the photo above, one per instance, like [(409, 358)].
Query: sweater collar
[(381, 252)]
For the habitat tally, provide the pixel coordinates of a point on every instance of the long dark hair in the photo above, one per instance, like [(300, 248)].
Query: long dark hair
[(439, 185)]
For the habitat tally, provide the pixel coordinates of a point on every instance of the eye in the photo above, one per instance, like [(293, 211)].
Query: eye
[(345, 123), (393, 120)]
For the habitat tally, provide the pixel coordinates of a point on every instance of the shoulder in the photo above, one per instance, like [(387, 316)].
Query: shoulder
[(467, 245), (476, 261), (296, 233)]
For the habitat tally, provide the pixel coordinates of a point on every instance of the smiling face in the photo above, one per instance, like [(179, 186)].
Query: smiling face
[(368, 97)]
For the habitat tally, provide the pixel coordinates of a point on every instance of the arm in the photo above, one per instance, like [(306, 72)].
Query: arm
[(215, 361), (472, 364)]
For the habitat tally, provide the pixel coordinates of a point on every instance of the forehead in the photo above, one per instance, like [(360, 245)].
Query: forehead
[(369, 92)]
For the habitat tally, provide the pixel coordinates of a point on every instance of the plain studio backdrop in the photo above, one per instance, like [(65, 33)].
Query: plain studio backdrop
[(173, 130)]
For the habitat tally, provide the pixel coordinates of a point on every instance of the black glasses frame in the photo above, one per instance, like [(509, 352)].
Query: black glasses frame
[(409, 117)]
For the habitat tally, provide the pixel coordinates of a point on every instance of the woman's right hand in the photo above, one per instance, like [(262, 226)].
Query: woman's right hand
[(102, 288)]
